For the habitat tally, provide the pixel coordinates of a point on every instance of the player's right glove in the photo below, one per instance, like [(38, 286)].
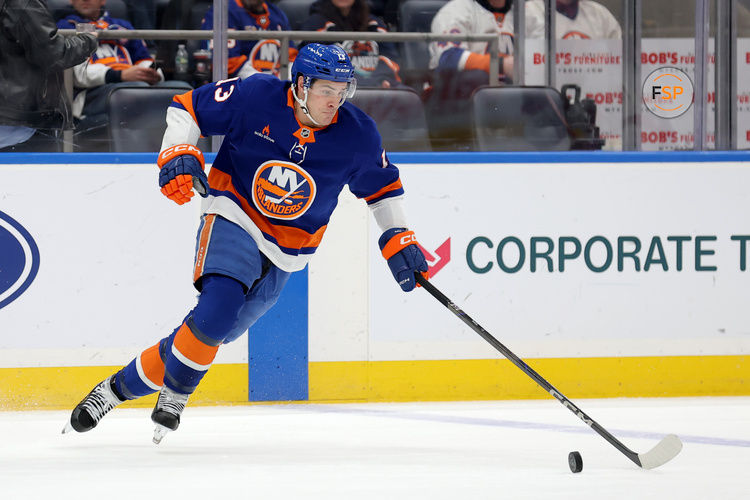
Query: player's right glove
[(404, 257), (181, 169)]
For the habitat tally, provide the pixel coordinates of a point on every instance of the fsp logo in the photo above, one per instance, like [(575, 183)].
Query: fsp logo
[(282, 190), (667, 92)]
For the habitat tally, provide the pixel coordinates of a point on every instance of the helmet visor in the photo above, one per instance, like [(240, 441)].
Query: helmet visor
[(325, 91)]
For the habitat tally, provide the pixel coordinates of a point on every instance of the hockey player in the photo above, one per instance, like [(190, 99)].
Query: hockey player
[(289, 149), (582, 19), (247, 57)]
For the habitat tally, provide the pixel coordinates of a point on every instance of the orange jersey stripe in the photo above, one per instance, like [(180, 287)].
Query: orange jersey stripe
[(120, 66), (235, 63), (192, 348), (478, 61), (289, 237), (394, 67), (106, 60), (203, 240), (186, 100), (153, 366), (390, 187)]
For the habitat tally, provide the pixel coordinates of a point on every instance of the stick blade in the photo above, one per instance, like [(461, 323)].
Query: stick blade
[(663, 452)]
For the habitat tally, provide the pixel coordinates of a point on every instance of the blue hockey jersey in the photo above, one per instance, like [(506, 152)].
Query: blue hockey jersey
[(115, 54), (278, 179), (247, 57)]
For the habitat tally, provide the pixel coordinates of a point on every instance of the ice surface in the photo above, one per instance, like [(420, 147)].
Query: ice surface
[(456, 450)]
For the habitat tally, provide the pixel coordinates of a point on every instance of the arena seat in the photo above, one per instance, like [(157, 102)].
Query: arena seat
[(138, 117), (399, 115), (519, 119), (416, 16)]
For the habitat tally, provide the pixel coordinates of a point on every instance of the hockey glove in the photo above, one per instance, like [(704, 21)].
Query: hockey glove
[(404, 257), (181, 169)]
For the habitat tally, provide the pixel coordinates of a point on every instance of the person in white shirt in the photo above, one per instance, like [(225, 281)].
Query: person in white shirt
[(478, 17), (582, 19)]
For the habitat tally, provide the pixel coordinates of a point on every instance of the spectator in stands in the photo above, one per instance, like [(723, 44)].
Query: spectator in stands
[(478, 17), (373, 62), (123, 62), (32, 57), (247, 57), (579, 19), (461, 67)]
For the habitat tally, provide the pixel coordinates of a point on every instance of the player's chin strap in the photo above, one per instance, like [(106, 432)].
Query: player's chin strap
[(303, 103)]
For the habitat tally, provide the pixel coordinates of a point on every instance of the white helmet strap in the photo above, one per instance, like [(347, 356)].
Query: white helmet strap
[(303, 102)]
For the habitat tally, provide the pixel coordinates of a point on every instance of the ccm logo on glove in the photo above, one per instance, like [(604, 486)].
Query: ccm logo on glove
[(181, 171), (180, 149), (400, 249), (396, 241), (409, 238)]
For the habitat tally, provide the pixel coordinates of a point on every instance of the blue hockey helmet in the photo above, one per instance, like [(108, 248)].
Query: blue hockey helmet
[(325, 62), (316, 61)]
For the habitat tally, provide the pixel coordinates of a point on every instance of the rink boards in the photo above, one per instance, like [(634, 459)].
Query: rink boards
[(612, 274)]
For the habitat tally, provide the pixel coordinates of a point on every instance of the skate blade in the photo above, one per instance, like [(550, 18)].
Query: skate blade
[(159, 432), (67, 428)]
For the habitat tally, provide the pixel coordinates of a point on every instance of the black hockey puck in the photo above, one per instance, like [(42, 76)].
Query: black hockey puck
[(575, 461)]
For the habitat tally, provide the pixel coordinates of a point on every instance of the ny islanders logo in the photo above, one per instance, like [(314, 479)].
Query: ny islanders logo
[(19, 259), (265, 56), (282, 190)]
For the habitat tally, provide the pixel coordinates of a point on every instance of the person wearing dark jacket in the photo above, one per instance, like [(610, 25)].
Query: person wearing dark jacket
[(373, 62), (33, 56)]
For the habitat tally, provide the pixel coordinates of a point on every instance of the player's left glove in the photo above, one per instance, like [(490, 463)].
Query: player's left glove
[(404, 257), (181, 169)]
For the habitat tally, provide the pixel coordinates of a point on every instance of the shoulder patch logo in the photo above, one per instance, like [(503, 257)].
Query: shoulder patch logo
[(19, 260), (282, 190)]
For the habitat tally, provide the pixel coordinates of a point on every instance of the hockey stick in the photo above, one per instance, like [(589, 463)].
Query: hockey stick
[(663, 452)]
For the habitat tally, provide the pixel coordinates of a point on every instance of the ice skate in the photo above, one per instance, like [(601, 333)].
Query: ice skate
[(92, 409), (166, 414)]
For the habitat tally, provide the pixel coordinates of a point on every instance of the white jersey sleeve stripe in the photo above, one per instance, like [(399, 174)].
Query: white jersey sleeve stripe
[(389, 213), (181, 129)]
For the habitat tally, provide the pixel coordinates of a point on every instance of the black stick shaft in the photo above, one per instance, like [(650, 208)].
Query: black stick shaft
[(526, 369)]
